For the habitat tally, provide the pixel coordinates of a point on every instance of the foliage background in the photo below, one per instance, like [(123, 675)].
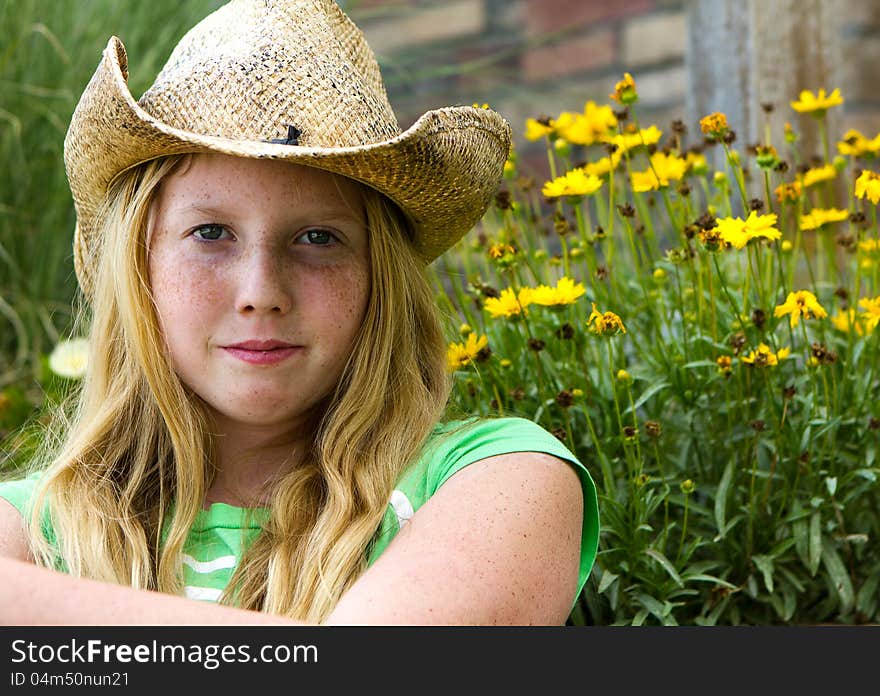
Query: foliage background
[(46, 59)]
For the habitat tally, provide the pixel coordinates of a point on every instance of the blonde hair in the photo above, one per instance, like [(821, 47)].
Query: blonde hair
[(130, 475)]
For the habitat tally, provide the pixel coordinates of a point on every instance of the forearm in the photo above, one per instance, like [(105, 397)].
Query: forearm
[(31, 595)]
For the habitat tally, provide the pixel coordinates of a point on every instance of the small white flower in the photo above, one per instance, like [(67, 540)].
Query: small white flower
[(69, 358)]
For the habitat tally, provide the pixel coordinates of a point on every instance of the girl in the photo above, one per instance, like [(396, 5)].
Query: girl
[(262, 427)]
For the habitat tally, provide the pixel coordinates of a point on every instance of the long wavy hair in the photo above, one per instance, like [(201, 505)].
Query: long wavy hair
[(132, 459)]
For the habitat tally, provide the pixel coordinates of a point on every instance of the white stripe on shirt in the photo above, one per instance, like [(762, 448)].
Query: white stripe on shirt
[(210, 566)]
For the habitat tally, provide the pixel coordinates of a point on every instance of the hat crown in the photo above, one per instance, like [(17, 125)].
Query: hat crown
[(253, 68)]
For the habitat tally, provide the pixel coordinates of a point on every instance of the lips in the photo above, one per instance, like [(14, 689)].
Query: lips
[(258, 352), (270, 344)]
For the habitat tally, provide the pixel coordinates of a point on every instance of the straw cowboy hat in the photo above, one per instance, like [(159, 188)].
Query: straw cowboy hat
[(290, 80)]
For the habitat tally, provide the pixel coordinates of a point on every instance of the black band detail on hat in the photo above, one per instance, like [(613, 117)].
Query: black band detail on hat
[(292, 138)]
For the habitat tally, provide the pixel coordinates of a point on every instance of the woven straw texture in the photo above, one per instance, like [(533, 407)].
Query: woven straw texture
[(241, 77)]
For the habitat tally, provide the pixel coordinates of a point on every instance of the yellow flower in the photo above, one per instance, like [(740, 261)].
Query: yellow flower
[(869, 250), (588, 127), (574, 183), (460, 354), (732, 231), (818, 217), (789, 193), (603, 166), (817, 174), (509, 304), (714, 125), (635, 138), (738, 232), (696, 163), (724, 363), (871, 315), (497, 251), (601, 118), (855, 144), (605, 323), (711, 239), (764, 357), (70, 358), (816, 104), (848, 321), (565, 292), (537, 128), (625, 91), (801, 303), (663, 168), (766, 156), (762, 226), (868, 184)]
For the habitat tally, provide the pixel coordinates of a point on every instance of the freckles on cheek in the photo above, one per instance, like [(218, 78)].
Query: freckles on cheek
[(183, 298), (345, 297)]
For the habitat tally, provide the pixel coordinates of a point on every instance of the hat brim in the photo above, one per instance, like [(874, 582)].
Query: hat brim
[(442, 171)]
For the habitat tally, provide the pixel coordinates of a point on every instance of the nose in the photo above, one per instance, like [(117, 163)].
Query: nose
[(263, 283)]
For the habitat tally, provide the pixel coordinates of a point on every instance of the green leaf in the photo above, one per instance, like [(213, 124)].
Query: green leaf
[(814, 550), (831, 484), (721, 498), (801, 540), (699, 363), (654, 606), (765, 565), (666, 565), (789, 602), (607, 578), (647, 394), (702, 577), (640, 617), (866, 600), (839, 577)]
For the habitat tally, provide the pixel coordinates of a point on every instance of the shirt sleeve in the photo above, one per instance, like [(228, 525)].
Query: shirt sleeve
[(468, 442), (19, 492)]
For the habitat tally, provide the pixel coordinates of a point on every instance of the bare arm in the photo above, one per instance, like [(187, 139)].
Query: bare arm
[(34, 596), (499, 543)]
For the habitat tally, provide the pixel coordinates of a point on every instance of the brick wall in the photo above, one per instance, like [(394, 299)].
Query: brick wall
[(528, 58)]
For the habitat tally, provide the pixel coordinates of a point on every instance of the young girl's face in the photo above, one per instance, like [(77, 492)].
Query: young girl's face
[(260, 274)]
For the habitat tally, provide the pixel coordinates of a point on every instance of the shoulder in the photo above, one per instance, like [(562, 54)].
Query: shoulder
[(497, 474), (498, 543), (457, 444)]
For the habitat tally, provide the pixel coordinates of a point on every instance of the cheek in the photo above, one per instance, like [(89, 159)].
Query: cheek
[(183, 296), (344, 298)]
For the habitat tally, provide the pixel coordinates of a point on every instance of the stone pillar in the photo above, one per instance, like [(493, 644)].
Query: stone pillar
[(742, 53)]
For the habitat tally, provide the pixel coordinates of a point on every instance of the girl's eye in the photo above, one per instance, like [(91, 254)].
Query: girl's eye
[(317, 236), (210, 233)]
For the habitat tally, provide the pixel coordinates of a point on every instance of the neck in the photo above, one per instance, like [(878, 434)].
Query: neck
[(250, 458)]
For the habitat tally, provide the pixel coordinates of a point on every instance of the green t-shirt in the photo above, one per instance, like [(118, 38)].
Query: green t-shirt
[(220, 534)]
